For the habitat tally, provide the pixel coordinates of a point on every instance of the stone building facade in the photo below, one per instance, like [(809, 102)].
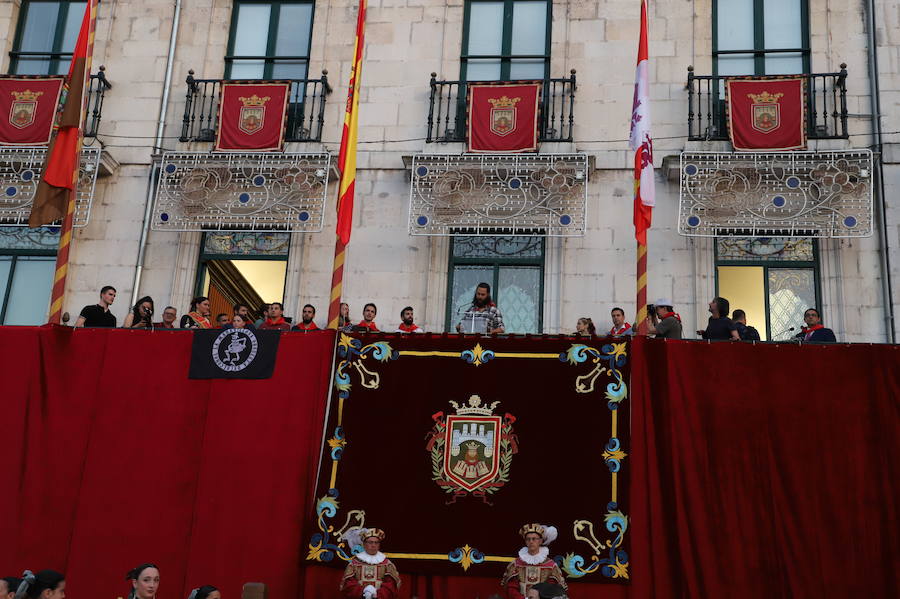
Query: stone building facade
[(549, 280)]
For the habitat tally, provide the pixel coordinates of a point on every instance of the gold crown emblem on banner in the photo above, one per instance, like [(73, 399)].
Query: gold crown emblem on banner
[(504, 102), (474, 407), (765, 97), (26, 96), (254, 100)]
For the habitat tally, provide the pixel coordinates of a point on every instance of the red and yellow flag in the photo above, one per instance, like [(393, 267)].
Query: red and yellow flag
[(347, 166), (60, 173), (55, 196), (347, 156)]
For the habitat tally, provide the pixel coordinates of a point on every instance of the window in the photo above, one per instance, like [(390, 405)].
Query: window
[(773, 279), (46, 37), (506, 40), (239, 267), (760, 37), (514, 267), (269, 40), (27, 263)]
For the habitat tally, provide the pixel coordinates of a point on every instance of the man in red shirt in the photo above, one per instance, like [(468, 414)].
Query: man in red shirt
[(620, 328), (275, 320), (307, 324), (406, 322), (168, 319), (368, 321)]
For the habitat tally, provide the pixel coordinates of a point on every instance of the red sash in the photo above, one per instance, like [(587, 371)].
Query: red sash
[(808, 331), (368, 325), (668, 314), (624, 328), (307, 327), (408, 328), (202, 321)]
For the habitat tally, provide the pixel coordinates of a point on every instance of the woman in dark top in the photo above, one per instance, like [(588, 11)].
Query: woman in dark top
[(46, 584), (141, 314), (144, 581), (198, 317)]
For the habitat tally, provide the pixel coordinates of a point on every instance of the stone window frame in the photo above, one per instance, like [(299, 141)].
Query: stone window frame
[(270, 58)]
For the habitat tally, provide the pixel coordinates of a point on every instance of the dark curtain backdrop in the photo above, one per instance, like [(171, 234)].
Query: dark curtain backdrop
[(111, 457), (766, 471)]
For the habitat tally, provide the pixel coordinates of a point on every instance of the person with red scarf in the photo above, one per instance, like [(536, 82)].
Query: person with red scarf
[(814, 331), (620, 328), (666, 324), (368, 321), (307, 324), (275, 320), (406, 322)]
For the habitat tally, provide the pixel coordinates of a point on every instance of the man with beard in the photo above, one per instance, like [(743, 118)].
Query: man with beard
[(307, 324), (406, 322), (483, 316)]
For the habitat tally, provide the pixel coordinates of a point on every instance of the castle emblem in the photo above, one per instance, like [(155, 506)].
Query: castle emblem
[(253, 113), (765, 111), (21, 113), (503, 115), (471, 451)]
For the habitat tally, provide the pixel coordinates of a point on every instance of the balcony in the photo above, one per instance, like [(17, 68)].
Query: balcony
[(96, 93), (447, 113), (826, 106), (306, 109)]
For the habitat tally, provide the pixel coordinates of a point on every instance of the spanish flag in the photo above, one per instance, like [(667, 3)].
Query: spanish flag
[(347, 156), (60, 174)]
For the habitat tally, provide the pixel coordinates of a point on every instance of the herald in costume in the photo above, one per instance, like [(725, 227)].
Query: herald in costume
[(533, 564), (369, 575)]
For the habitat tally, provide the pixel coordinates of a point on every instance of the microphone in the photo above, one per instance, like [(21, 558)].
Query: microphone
[(787, 330)]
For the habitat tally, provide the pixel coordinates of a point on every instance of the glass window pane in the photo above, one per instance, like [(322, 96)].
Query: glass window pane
[(465, 280), (791, 292), (735, 64), (783, 27), (744, 288), (239, 243), (483, 70), (5, 265), (289, 69), (33, 66), (519, 298), (247, 69), (73, 26), (529, 28), (790, 63), (29, 296), (526, 69), (251, 34), (775, 249), (485, 28), (497, 247), (735, 25), (40, 27), (294, 24)]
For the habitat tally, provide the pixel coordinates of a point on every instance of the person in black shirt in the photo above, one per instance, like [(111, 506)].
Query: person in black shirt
[(98, 315), (720, 326), (745, 331)]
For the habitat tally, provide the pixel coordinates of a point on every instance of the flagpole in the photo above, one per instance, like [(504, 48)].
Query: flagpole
[(641, 272), (337, 283), (58, 292), (644, 188)]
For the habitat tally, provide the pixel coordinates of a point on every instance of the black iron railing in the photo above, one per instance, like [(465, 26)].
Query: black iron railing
[(447, 114), (95, 95), (306, 108), (826, 106)]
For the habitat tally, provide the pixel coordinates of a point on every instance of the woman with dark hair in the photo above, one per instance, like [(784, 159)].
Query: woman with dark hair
[(144, 581), (46, 584), (584, 327), (141, 314), (207, 591), (198, 317)]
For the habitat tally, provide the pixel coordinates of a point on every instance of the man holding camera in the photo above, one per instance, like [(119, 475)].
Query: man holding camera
[(666, 324)]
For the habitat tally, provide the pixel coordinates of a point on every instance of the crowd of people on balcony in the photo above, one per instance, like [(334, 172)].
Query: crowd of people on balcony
[(482, 316)]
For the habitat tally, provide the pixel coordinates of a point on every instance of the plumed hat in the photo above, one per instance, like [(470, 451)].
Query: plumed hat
[(548, 534)]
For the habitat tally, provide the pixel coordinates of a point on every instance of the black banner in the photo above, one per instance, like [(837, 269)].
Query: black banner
[(233, 354)]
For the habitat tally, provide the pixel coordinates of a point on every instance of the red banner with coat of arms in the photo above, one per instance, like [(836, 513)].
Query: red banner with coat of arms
[(767, 113), (252, 116), (504, 117), (27, 109)]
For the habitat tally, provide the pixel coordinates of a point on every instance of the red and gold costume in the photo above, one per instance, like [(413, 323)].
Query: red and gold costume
[(528, 570), (370, 571)]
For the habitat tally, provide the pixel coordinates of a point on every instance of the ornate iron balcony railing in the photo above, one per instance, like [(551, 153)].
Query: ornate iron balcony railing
[(306, 108), (826, 106), (96, 93), (447, 114)]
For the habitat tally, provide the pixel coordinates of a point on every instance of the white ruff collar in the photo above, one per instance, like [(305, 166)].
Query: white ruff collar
[(372, 560), (534, 560)]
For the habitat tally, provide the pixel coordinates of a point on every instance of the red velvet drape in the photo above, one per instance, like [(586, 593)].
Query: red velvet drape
[(757, 471), (112, 456)]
